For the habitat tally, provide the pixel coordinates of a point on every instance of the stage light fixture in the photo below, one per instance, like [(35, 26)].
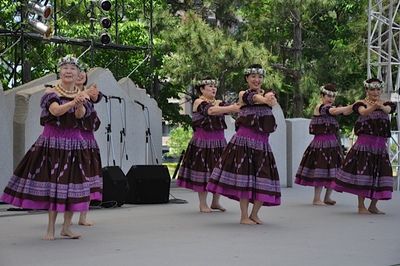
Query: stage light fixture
[(105, 38), (105, 22), (41, 28), (105, 5), (38, 9)]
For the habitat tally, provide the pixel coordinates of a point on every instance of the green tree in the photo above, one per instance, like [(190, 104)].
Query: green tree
[(221, 13), (202, 51), (179, 140), (315, 42), (201, 43)]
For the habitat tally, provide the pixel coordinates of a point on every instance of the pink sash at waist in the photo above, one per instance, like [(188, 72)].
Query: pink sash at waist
[(54, 131), (373, 141), (209, 135), (249, 133), (325, 137)]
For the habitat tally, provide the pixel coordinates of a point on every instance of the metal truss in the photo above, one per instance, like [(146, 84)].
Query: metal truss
[(384, 42)]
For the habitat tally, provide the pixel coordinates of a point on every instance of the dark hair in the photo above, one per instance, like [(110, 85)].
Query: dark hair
[(373, 80), (197, 87), (329, 87)]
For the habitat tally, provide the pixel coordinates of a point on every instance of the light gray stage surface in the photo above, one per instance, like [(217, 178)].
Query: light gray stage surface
[(295, 233)]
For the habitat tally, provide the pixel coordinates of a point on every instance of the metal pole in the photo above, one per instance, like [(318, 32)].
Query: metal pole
[(116, 39), (92, 19), (152, 89), (369, 74), (23, 23)]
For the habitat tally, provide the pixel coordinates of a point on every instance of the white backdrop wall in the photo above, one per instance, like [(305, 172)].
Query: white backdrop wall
[(277, 141), (5, 142), (298, 139)]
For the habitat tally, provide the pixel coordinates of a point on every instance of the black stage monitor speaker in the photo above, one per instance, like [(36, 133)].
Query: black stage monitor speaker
[(115, 185), (148, 184)]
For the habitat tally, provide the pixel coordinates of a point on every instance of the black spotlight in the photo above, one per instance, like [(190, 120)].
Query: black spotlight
[(105, 22), (105, 5), (105, 38)]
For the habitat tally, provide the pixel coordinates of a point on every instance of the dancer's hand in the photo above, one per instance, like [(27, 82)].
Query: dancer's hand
[(93, 92), (270, 98)]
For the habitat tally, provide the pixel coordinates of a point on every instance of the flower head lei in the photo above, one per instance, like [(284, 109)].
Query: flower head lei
[(69, 59), (328, 92), (207, 82), (374, 85), (260, 71)]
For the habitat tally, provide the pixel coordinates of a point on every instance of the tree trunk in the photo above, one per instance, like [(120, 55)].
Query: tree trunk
[(298, 100)]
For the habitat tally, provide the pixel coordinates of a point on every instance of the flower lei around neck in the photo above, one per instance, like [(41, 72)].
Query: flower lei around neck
[(211, 101), (368, 100), (259, 91), (66, 93)]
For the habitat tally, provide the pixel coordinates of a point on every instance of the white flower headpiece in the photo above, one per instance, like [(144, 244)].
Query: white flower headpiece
[(260, 71), (327, 92), (374, 85), (69, 59), (207, 82)]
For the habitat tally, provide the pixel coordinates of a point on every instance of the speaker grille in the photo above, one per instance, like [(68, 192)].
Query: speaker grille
[(148, 184)]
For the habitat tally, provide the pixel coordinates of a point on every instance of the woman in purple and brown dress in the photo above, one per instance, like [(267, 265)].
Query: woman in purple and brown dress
[(207, 143), (366, 170), (323, 157), (52, 174), (247, 170), (91, 123)]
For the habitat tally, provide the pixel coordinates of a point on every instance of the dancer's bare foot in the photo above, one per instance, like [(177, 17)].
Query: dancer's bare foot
[(85, 223), (363, 211), (256, 219), (247, 221), (318, 203), (375, 211), (69, 233), (205, 209), (218, 207), (330, 202), (48, 236)]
